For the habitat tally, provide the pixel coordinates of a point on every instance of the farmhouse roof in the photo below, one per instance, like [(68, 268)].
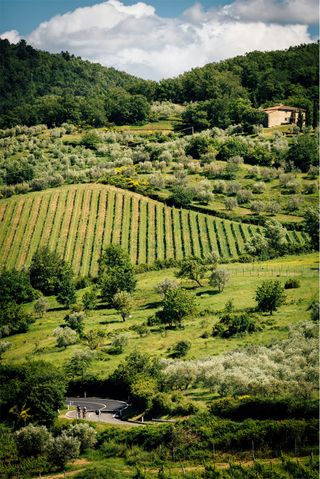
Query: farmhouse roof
[(283, 107)]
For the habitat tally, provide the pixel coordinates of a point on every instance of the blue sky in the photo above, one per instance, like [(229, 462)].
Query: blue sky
[(159, 38)]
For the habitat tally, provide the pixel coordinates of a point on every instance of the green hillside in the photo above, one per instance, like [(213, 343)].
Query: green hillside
[(39, 87), (78, 220)]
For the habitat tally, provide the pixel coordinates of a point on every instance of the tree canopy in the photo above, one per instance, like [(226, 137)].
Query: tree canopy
[(33, 391), (39, 87)]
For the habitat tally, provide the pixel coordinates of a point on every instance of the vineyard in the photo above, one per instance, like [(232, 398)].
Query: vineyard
[(79, 220)]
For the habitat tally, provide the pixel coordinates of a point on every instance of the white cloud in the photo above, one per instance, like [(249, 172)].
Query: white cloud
[(135, 39), (12, 35), (286, 11)]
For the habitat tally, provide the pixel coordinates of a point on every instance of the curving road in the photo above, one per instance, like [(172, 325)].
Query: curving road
[(108, 409)]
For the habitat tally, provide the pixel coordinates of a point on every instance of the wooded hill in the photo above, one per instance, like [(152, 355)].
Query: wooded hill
[(39, 87)]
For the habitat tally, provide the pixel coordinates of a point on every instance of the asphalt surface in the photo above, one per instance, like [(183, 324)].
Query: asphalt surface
[(94, 403), (107, 407)]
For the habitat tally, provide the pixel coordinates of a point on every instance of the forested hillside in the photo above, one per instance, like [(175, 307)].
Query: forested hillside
[(39, 87)]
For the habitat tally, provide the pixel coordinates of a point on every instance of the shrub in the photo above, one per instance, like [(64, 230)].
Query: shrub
[(33, 440), (292, 283), (314, 309), (180, 349), (244, 407), (14, 319), (259, 188), (233, 324), (85, 434), (63, 449), (79, 363), (182, 196), (65, 336), (230, 203), (243, 196), (75, 320), (118, 344)]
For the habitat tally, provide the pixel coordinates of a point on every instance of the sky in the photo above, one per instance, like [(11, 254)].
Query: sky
[(157, 39)]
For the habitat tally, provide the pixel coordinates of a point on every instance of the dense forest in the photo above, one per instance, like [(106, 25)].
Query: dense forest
[(39, 87)]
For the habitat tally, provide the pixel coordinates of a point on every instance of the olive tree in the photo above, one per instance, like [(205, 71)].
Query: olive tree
[(219, 278), (122, 302)]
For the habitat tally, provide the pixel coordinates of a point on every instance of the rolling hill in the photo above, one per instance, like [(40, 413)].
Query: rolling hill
[(78, 220)]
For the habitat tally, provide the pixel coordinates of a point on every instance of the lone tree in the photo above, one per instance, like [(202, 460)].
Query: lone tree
[(41, 306), (192, 268), (177, 304), (219, 278), (116, 273), (270, 295), (122, 302)]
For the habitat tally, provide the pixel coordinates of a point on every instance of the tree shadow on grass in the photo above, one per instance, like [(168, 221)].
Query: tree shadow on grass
[(101, 306), (111, 321), (57, 308), (152, 305), (209, 292)]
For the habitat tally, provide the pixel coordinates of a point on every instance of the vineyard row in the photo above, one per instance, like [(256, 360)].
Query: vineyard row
[(79, 221)]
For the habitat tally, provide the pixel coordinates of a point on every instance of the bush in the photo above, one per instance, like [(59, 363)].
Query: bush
[(292, 283), (244, 407), (33, 440), (65, 336), (314, 309), (14, 319), (112, 448), (75, 320), (182, 196), (63, 449), (232, 324), (118, 344), (85, 434), (180, 349)]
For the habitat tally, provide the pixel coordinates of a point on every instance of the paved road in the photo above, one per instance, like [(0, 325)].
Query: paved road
[(107, 407), (93, 403), (105, 417)]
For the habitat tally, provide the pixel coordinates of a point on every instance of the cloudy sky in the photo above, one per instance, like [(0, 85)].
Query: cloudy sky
[(159, 38)]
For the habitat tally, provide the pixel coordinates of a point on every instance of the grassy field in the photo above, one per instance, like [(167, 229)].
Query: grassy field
[(39, 342), (78, 220)]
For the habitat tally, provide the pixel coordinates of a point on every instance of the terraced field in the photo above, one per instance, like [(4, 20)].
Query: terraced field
[(79, 220)]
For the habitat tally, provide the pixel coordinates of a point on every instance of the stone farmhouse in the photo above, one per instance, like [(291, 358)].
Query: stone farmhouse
[(283, 115)]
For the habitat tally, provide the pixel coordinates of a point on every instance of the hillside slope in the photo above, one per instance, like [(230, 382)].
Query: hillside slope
[(39, 87), (78, 220)]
